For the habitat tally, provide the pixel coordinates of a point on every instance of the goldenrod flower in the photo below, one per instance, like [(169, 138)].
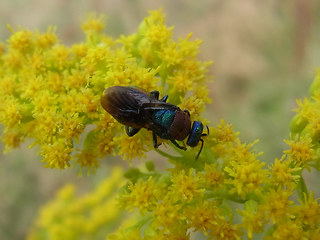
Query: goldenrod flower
[(246, 173), (186, 186), (71, 217), (301, 151), (246, 178), (308, 213), (93, 24), (252, 220), (205, 216), (167, 214), (282, 173), (142, 195), (223, 133), (51, 92), (287, 231), (21, 41), (212, 176), (46, 39), (227, 231), (277, 205), (2, 48), (130, 148), (12, 139)]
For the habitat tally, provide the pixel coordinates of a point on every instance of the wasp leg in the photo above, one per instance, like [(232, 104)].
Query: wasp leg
[(164, 99), (155, 142), (132, 131), (200, 149), (155, 94), (187, 112), (177, 145)]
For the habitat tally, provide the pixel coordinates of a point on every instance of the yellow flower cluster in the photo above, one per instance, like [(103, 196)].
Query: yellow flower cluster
[(197, 198), (72, 217), (305, 130), (51, 92)]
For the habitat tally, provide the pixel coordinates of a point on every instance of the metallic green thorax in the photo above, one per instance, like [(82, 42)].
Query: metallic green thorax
[(164, 118)]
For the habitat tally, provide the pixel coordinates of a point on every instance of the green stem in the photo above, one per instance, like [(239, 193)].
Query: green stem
[(302, 189), (185, 160), (167, 155), (315, 165), (224, 194), (142, 222)]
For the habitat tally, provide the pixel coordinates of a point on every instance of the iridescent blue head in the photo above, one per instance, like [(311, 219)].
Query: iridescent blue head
[(195, 135)]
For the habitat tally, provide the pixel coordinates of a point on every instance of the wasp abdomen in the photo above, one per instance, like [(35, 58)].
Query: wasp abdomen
[(180, 126)]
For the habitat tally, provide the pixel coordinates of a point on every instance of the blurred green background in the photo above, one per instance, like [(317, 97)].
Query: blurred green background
[(265, 56)]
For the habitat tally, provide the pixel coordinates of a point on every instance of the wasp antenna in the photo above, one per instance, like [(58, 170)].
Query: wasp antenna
[(200, 148)]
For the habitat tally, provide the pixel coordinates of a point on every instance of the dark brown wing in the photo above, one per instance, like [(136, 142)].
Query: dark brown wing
[(124, 104)]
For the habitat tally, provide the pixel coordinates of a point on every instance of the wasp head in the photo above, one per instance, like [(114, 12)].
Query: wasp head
[(195, 135)]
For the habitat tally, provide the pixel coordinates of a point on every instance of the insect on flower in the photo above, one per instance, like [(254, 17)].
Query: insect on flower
[(138, 109)]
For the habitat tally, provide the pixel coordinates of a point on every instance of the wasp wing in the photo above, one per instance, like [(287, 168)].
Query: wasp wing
[(124, 104)]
